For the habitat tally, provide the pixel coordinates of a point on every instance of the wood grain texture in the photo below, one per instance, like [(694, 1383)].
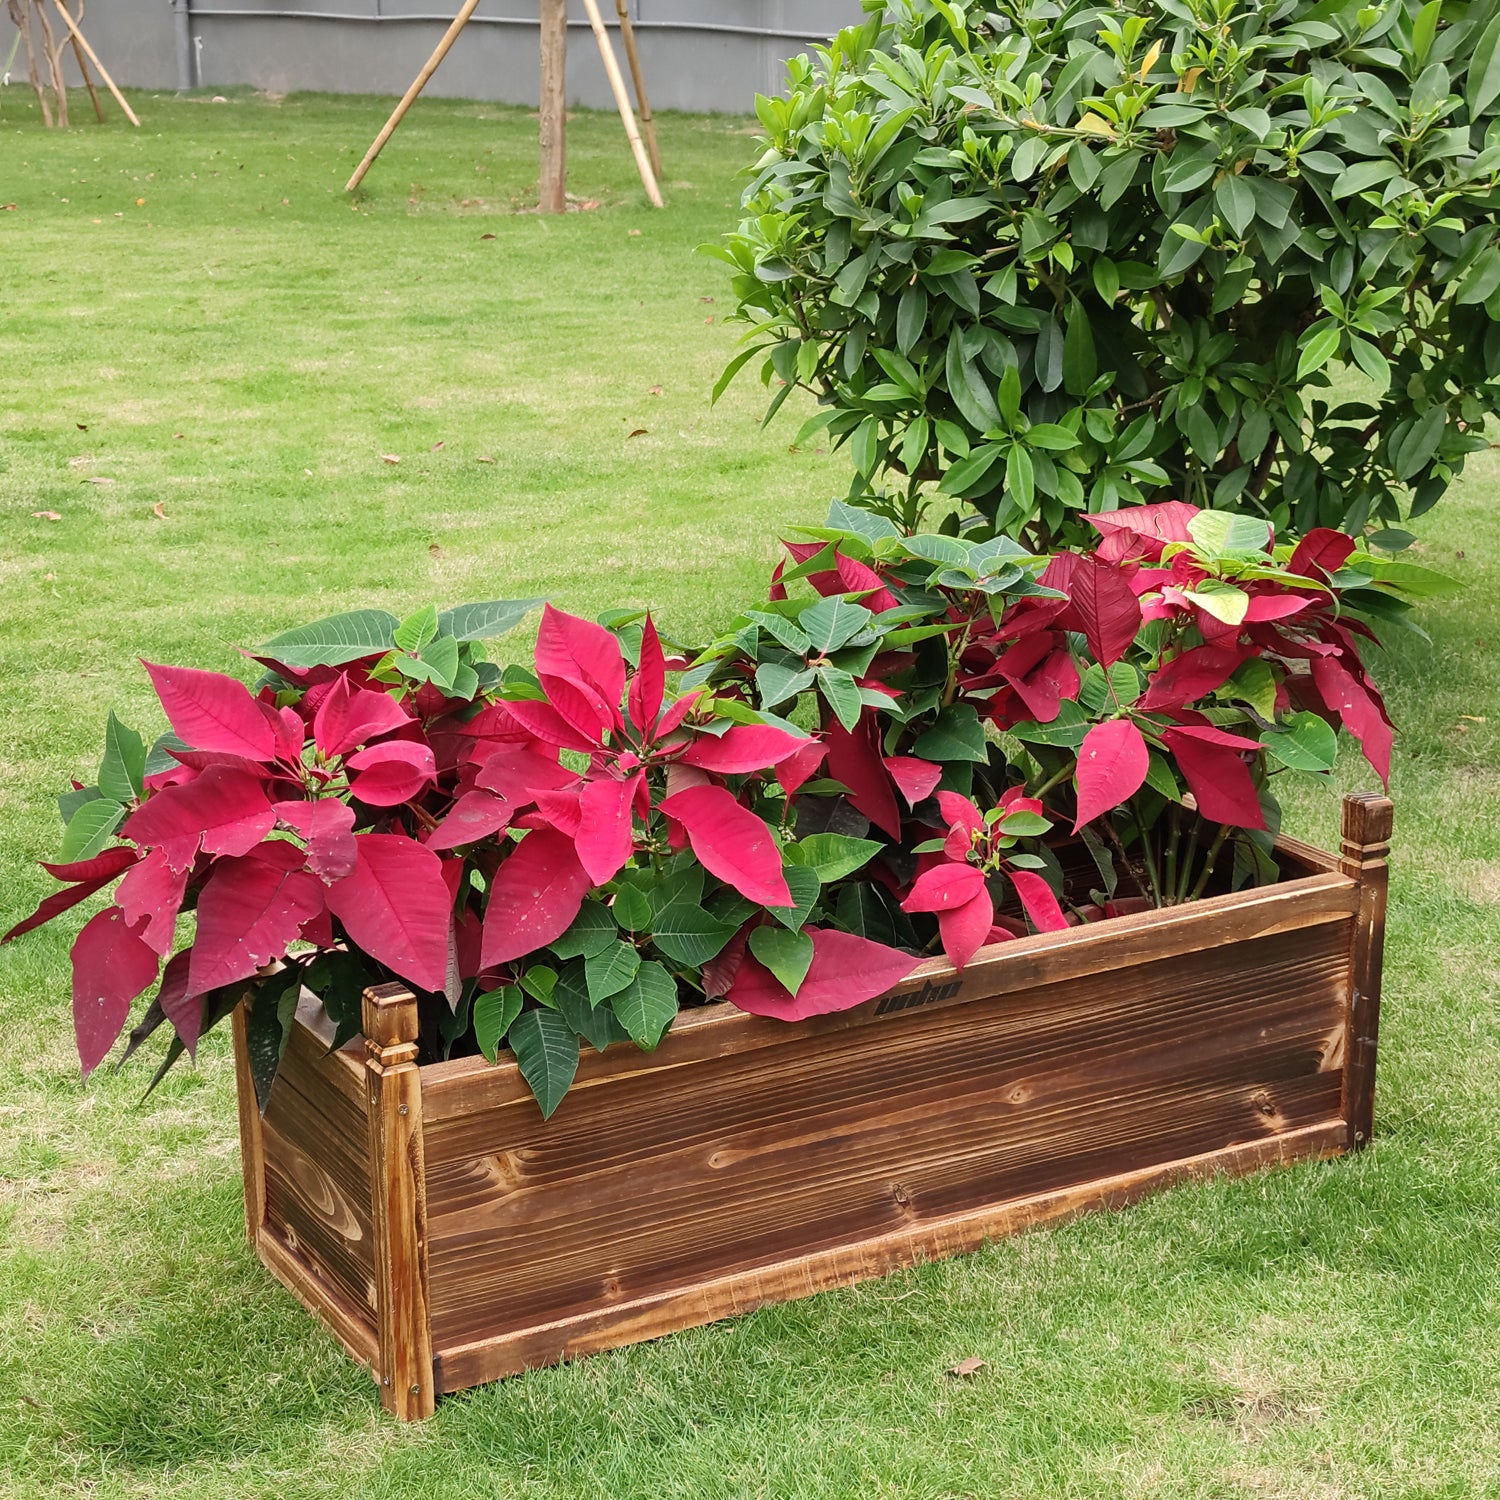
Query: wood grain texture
[(650, 1317), (317, 1189), (399, 1210), (351, 1324), (748, 1158), (345, 1067), (1297, 858), (1367, 826), (318, 1195), (307, 1181), (470, 1085), (448, 1235)]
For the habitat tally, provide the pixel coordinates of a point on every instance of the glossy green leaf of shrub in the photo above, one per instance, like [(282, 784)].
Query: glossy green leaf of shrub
[(1047, 257)]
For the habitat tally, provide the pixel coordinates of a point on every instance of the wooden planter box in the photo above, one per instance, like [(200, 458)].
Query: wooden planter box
[(447, 1235)]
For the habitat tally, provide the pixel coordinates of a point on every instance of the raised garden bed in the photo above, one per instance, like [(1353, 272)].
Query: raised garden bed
[(448, 1235)]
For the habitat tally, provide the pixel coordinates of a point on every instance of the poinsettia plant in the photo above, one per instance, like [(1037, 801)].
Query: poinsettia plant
[(956, 885), (1137, 700), (1192, 664), (283, 819), (544, 856), (903, 748)]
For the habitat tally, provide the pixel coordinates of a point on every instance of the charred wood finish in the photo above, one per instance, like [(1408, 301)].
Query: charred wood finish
[(448, 1235), (399, 1201), (1366, 843)]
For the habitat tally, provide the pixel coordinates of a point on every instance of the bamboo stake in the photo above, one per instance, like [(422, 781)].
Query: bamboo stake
[(552, 132), (109, 82), (410, 96), (83, 69), (622, 100), (642, 99), (88, 82)]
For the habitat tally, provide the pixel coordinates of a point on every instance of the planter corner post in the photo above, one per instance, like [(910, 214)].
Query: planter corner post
[(1367, 822), (394, 1096)]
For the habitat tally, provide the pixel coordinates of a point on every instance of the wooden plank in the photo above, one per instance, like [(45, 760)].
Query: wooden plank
[(481, 1360), (395, 1091), (928, 1175), (313, 1206), (1022, 1079), (252, 1151), (297, 1207), (1305, 859), (1055, 1020), (349, 1323), (746, 1156), (317, 1191), (334, 1131), (468, 1086), (1366, 843), (345, 1068)]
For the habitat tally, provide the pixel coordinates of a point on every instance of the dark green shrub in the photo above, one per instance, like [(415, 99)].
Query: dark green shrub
[(1055, 257)]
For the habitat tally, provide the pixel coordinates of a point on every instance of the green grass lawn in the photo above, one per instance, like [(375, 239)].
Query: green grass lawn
[(203, 386)]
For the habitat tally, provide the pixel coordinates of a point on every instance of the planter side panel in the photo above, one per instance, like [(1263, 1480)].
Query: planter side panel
[(651, 1184), (318, 1194)]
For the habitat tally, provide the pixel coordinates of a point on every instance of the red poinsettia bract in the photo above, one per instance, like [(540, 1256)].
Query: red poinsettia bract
[(977, 849)]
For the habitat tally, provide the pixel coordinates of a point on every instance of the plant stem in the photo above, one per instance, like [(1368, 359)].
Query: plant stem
[(1053, 781), (1114, 838), (1151, 866), (950, 690), (1209, 862), (1172, 850), (1190, 842)]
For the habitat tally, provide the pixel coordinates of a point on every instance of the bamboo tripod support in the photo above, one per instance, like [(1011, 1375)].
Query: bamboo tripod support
[(622, 102), (638, 78), (553, 29), (35, 31), (88, 82), (79, 40), (410, 96)]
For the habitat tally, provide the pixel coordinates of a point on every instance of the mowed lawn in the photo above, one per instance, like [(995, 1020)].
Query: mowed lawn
[(207, 359)]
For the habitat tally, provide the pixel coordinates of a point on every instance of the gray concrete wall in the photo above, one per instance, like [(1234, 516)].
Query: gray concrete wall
[(701, 55)]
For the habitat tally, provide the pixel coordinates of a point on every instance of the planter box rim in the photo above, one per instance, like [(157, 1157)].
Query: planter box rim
[(1085, 949)]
